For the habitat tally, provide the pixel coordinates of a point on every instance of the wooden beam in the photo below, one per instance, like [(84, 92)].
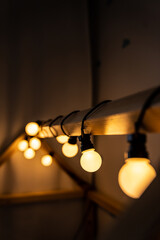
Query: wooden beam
[(9, 199), (114, 118), (113, 207)]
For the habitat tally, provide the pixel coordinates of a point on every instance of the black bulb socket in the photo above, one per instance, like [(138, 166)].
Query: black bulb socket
[(137, 147), (26, 137), (72, 140), (85, 142), (51, 154), (39, 122)]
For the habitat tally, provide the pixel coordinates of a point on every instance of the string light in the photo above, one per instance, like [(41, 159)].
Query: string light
[(134, 176), (29, 153), (90, 160), (22, 145), (137, 173), (35, 143), (62, 139), (70, 149), (47, 160), (32, 128)]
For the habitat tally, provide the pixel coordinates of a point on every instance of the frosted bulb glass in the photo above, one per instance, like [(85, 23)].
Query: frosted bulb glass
[(41, 134), (32, 128), (90, 160), (70, 150), (29, 153), (135, 176), (46, 160), (62, 139), (22, 145), (35, 143)]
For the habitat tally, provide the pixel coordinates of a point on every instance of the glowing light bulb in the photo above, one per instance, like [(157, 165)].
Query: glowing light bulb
[(29, 153), (90, 161), (135, 176), (70, 150), (62, 139), (22, 145), (32, 128), (46, 160), (35, 143)]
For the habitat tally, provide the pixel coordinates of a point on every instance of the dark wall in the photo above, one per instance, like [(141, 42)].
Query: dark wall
[(129, 53), (44, 61), (45, 71), (59, 220)]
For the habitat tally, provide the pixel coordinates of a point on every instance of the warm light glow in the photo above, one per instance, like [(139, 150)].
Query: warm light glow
[(90, 161), (22, 145), (35, 143), (62, 139), (46, 160), (29, 153), (70, 150), (32, 128), (135, 176)]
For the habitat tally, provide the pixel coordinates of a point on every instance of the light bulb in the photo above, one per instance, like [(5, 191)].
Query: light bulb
[(29, 153), (23, 145), (62, 139), (70, 150), (32, 128), (46, 160), (35, 143), (135, 176), (90, 160)]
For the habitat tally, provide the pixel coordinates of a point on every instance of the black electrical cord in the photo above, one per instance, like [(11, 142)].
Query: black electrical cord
[(91, 111), (46, 122), (62, 122), (53, 121), (146, 105)]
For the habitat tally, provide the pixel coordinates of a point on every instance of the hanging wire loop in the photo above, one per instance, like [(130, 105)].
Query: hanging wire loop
[(91, 111), (51, 124), (65, 119)]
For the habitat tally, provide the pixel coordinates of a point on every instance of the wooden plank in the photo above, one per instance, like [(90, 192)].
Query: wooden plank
[(111, 206), (114, 118), (9, 199)]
